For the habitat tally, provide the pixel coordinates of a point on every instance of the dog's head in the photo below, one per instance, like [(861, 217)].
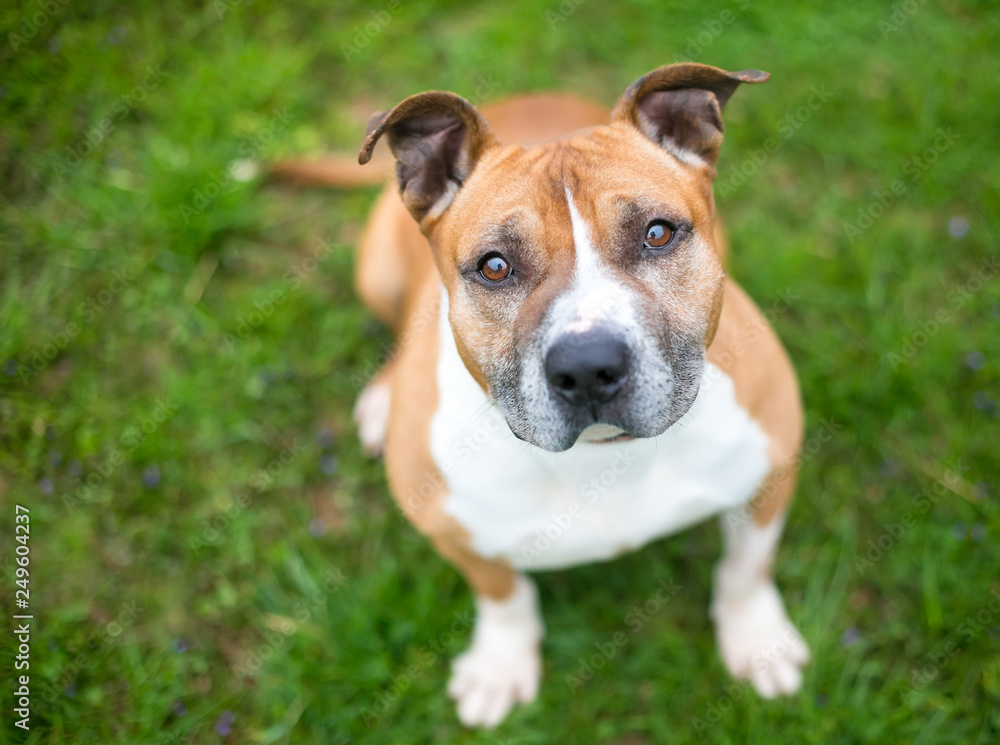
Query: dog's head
[(583, 282)]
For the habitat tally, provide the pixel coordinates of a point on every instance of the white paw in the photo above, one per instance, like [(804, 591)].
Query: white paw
[(757, 641), (486, 683), (503, 665), (371, 414)]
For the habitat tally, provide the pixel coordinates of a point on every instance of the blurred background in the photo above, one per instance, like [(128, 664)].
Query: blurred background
[(213, 560)]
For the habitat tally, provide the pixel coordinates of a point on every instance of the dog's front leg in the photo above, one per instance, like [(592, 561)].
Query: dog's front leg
[(502, 665), (756, 639)]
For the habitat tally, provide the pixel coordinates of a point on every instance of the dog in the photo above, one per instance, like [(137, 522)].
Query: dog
[(575, 376)]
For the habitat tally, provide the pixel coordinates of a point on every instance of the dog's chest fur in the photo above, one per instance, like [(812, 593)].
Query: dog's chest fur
[(540, 510)]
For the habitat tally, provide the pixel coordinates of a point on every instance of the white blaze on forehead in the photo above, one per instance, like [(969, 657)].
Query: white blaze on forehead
[(593, 296), (587, 260)]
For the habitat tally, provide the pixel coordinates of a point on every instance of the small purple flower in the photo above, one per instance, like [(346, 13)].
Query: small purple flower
[(328, 464), (151, 477), (74, 467), (325, 438), (317, 528), (890, 467), (70, 690), (180, 708), (983, 402), (975, 360), (180, 646), (851, 636), (45, 486), (10, 367), (225, 724), (958, 226)]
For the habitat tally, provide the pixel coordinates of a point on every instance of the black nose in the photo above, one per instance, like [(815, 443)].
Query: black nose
[(587, 368)]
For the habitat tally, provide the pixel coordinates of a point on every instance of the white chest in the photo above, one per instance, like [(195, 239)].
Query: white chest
[(541, 510)]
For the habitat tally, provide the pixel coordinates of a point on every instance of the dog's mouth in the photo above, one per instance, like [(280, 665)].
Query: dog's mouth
[(650, 400), (604, 433)]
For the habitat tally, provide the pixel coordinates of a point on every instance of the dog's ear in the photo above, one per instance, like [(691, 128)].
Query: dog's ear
[(437, 138), (680, 108)]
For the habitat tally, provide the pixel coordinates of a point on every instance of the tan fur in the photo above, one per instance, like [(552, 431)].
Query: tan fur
[(416, 482), (392, 255), (333, 170), (746, 349)]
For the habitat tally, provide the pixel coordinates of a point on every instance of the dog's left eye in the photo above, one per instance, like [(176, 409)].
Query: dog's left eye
[(658, 235), (494, 267)]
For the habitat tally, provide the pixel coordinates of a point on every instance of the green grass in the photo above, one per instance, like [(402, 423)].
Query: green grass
[(174, 443)]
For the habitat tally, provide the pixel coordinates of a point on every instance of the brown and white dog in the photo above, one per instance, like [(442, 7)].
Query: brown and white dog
[(575, 374)]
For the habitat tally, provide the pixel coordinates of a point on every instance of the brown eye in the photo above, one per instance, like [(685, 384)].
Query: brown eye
[(494, 268), (658, 234)]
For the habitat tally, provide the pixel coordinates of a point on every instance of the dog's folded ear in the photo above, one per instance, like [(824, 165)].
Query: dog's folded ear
[(437, 138), (680, 108)]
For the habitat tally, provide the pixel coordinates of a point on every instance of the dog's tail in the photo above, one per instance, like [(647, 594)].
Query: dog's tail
[(338, 170)]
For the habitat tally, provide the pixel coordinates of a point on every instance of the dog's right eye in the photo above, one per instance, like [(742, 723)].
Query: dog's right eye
[(494, 268), (658, 235)]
